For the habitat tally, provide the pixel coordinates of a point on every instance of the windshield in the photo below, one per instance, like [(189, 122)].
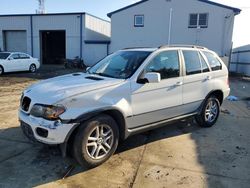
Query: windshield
[(4, 55), (121, 64)]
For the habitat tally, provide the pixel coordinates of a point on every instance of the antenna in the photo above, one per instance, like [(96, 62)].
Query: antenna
[(41, 7)]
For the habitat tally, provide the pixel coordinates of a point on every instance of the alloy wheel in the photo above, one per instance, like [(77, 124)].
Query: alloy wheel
[(100, 141), (32, 68), (211, 112)]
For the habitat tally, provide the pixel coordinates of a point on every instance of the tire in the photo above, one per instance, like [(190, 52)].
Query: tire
[(209, 113), (1, 70), (32, 68), (88, 146)]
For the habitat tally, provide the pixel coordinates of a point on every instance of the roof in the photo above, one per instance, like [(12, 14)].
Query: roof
[(48, 14), (242, 48), (236, 10), (53, 14)]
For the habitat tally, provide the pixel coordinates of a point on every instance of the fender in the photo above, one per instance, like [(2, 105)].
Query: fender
[(87, 116), (205, 99)]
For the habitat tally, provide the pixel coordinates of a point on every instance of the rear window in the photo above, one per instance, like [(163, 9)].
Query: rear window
[(192, 62), (24, 56), (4, 55), (213, 61)]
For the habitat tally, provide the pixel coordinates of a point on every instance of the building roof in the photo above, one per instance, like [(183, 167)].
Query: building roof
[(53, 14), (47, 14), (236, 10)]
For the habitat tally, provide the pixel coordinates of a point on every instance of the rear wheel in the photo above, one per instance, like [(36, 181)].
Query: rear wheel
[(210, 112), (96, 141), (32, 68), (1, 70)]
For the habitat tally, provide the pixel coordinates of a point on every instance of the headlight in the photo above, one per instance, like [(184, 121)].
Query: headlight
[(47, 112)]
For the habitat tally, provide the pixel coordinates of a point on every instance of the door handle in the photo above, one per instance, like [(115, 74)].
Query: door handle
[(179, 84), (209, 78)]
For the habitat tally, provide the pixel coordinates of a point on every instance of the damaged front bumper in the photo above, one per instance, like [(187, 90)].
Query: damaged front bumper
[(45, 131)]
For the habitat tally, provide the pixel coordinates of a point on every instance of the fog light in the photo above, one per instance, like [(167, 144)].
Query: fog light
[(42, 132)]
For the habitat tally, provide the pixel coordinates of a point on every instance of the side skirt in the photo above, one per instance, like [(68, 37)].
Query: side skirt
[(155, 125)]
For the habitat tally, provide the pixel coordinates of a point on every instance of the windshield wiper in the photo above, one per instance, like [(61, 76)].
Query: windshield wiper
[(103, 74)]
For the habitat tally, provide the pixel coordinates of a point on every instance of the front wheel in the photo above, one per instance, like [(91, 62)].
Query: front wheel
[(96, 141), (209, 113), (32, 68), (1, 70)]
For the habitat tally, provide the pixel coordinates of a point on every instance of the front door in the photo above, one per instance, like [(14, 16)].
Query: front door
[(153, 102), (14, 63)]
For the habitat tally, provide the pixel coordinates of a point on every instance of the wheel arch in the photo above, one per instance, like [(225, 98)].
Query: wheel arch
[(217, 93), (116, 114), (2, 67)]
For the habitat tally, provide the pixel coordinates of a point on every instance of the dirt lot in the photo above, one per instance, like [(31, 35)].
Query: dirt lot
[(178, 155)]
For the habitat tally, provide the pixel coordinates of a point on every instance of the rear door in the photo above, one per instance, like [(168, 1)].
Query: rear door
[(197, 82), (153, 102), (25, 61)]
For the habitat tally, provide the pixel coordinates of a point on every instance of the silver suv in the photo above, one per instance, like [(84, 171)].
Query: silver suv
[(128, 92)]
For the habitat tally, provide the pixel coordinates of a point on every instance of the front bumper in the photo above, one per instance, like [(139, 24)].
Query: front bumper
[(56, 132)]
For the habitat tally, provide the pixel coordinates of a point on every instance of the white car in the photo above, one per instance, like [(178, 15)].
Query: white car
[(128, 92), (17, 61)]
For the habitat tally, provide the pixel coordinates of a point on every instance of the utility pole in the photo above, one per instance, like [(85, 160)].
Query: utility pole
[(170, 25)]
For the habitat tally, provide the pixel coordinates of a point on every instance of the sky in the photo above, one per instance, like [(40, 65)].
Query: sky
[(100, 8)]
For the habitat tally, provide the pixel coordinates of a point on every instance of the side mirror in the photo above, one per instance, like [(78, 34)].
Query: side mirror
[(150, 77), (10, 58), (88, 68)]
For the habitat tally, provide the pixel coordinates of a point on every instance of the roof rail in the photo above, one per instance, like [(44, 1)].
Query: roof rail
[(185, 46), (135, 48)]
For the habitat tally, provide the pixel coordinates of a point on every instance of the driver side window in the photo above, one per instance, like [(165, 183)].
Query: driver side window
[(166, 63), (14, 56)]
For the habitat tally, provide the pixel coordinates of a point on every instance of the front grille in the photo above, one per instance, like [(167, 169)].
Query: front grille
[(26, 103)]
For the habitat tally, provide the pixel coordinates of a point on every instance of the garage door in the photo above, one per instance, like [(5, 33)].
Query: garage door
[(15, 41)]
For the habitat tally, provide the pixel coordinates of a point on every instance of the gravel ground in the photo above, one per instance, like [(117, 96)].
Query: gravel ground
[(178, 155)]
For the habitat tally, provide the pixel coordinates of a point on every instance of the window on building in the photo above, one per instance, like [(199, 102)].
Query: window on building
[(213, 61), (198, 20), (166, 63), (139, 21)]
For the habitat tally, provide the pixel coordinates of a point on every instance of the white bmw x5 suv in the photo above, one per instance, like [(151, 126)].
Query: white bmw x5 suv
[(128, 92)]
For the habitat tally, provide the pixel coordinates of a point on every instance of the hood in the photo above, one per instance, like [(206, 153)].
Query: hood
[(55, 89)]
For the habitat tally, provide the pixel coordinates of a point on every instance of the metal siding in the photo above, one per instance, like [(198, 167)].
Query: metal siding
[(15, 41), (93, 53), (69, 23), (96, 29), (241, 60), (155, 30), (15, 23)]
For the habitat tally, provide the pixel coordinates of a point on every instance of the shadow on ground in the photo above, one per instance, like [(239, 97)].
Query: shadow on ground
[(29, 164)]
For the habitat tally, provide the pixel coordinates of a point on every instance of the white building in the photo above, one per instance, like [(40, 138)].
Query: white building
[(151, 23), (240, 60), (51, 37)]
